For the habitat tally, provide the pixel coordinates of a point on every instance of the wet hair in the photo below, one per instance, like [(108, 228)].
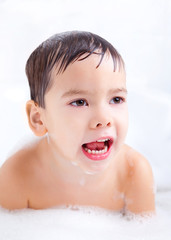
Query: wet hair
[(61, 50)]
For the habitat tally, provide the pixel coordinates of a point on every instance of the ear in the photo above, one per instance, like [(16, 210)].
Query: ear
[(34, 114)]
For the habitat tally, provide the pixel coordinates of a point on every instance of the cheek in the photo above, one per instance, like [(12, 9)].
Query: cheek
[(123, 123), (68, 127), (125, 118), (75, 119)]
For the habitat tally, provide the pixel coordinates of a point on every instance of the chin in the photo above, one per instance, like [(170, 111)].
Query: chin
[(94, 167)]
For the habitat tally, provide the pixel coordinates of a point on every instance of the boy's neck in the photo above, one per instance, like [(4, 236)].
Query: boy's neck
[(69, 172)]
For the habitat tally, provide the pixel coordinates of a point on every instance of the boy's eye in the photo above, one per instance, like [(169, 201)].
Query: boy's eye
[(79, 103), (117, 100)]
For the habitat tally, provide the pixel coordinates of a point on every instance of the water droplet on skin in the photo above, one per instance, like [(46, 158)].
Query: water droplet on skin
[(89, 173), (119, 195), (82, 182), (128, 201), (48, 140), (74, 163)]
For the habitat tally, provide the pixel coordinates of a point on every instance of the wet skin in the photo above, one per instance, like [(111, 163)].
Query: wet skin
[(85, 104)]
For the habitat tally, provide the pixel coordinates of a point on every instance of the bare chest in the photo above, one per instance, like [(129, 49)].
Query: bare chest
[(48, 194)]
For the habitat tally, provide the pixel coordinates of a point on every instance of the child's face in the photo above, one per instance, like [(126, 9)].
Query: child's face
[(86, 104)]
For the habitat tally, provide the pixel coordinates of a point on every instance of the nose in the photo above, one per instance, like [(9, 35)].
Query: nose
[(101, 120)]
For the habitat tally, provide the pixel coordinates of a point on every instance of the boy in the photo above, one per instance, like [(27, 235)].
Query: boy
[(79, 109)]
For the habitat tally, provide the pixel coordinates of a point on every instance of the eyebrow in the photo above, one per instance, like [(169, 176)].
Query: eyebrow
[(118, 90), (73, 92)]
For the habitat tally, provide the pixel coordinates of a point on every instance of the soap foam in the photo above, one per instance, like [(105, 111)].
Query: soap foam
[(77, 222)]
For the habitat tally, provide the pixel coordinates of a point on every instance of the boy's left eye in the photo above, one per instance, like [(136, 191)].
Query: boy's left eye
[(79, 103), (117, 100)]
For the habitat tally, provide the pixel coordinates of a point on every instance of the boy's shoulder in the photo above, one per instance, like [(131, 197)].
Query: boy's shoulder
[(14, 178), (134, 159), (139, 182), (135, 164), (130, 160)]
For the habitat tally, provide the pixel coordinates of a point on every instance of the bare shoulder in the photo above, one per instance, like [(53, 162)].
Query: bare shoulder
[(139, 190), (14, 179), (131, 163), (135, 161)]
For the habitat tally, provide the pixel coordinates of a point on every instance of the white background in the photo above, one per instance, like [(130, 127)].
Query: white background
[(140, 30)]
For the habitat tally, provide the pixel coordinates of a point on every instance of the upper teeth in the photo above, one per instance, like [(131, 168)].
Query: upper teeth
[(103, 140)]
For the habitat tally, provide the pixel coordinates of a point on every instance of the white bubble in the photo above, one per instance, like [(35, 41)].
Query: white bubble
[(80, 222), (74, 163), (82, 182)]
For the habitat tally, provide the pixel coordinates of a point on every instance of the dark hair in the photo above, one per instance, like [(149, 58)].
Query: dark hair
[(61, 50)]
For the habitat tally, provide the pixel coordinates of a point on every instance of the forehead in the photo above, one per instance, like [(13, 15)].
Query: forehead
[(85, 73)]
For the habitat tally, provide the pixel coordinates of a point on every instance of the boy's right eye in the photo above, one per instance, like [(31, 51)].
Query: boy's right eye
[(79, 103)]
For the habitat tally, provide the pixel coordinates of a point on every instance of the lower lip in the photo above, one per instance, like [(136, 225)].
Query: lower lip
[(98, 157)]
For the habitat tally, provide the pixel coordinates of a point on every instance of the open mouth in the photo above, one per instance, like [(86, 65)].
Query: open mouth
[(99, 149)]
